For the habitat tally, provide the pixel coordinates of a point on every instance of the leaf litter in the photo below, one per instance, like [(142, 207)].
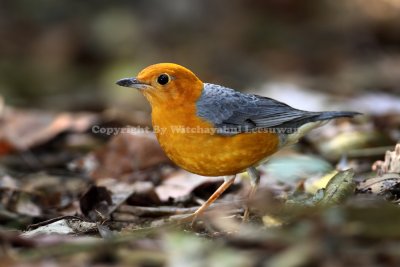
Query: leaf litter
[(119, 199)]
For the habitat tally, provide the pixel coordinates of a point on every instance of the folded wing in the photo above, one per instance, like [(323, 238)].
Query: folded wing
[(232, 112)]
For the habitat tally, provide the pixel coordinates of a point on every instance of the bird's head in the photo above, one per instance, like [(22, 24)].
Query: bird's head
[(166, 83)]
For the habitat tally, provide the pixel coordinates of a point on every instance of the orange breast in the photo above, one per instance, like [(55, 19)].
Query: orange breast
[(191, 143)]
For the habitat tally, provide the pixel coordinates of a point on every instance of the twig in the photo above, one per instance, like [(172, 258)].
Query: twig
[(154, 211), (168, 210)]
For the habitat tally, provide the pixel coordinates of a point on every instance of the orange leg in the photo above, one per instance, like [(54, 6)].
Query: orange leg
[(254, 182), (227, 183)]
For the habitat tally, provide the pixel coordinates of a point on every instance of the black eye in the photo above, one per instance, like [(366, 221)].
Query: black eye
[(163, 79)]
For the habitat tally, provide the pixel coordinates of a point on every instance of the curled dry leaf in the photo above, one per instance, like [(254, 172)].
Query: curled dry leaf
[(95, 203), (105, 197), (391, 164)]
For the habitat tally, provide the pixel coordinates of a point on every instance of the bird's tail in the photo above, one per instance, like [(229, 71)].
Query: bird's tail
[(316, 121), (327, 115)]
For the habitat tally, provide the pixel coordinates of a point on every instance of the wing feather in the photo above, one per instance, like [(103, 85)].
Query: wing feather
[(233, 112)]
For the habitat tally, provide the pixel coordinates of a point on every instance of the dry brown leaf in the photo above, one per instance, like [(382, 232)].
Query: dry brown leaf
[(124, 154), (23, 129)]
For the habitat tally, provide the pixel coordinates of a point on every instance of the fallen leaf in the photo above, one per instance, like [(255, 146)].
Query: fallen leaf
[(182, 183), (339, 188), (63, 227), (24, 129), (123, 155), (144, 195), (386, 185), (104, 198), (120, 191), (27, 206), (95, 202), (313, 184)]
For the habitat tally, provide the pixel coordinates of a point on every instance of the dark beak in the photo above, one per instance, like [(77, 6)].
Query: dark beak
[(129, 82)]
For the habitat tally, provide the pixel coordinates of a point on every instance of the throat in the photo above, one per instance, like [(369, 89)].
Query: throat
[(183, 116)]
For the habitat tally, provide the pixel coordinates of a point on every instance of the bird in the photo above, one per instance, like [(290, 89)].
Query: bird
[(212, 130)]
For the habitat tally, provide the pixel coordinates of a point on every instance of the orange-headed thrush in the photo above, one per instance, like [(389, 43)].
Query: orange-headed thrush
[(213, 130)]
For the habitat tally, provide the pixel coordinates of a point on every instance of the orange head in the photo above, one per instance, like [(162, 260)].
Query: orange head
[(166, 83)]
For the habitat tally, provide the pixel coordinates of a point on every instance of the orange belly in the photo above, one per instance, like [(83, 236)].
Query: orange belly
[(214, 155), (190, 143)]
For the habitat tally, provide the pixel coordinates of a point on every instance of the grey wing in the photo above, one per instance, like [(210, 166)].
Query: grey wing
[(233, 112)]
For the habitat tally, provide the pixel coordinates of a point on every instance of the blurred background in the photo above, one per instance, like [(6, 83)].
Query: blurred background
[(59, 61), (68, 54)]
